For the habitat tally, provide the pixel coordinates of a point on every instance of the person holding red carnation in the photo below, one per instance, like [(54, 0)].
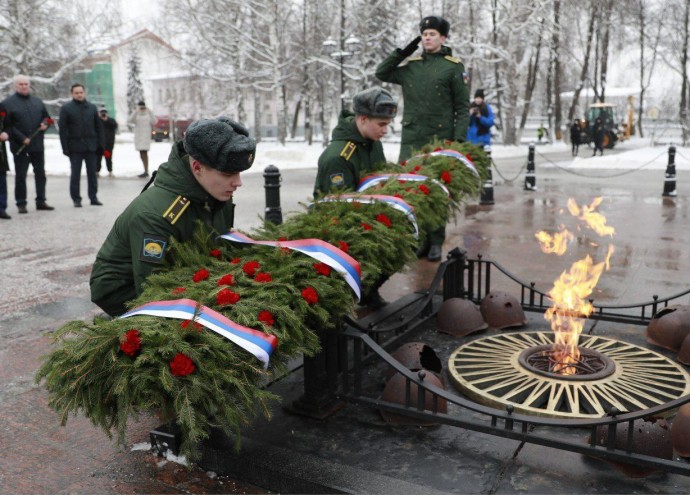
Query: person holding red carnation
[(109, 130), (197, 183), (27, 116)]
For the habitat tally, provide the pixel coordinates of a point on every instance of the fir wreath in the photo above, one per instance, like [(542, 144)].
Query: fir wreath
[(112, 371)]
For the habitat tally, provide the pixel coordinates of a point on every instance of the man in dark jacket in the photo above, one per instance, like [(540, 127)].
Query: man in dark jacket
[(27, 115), (81, 137), (109, 131), (355, 143), (4, 163), (354, 148), (434, 87), (196, 183)]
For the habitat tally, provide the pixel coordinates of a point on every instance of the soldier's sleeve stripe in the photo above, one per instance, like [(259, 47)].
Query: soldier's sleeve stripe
[(348, 149), (176, 209)]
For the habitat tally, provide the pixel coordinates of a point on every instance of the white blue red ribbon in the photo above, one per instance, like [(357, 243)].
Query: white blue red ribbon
[(392, 201), (374, 179), (453, 154), (257, 343), (318, 249)]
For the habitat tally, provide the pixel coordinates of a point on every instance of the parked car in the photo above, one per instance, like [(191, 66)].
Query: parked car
[(161, 131)]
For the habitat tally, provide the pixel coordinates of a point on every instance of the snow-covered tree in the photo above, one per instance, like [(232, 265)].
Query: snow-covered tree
[(135, 89)]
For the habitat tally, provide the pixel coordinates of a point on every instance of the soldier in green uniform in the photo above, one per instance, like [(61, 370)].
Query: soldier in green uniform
[(355, 143), (355, 147), (434, 87), (196, 183)]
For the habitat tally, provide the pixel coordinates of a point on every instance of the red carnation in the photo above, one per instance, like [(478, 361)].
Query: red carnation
[(202, 274), (384, 220), (396, 195), (366, 226), (227, 279), (344, 247), (445, 177), (132, 343), (181, 365), (437, 149), (468, 156), (263, 277), (226, 296), (266, 318), (417, 168), (215, 253), (235, 261), (424, 189), (403, 163), (322, 268), (251, 267), (178, 290), (107, 153), (310, 295), (196, 324), (282, 238), (49, 121), (3, 114)]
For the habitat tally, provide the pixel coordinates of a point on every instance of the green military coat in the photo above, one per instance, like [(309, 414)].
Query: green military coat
[(140, 238), (346, 158), (436, 100)]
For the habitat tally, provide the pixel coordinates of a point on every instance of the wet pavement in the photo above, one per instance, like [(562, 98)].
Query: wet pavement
[(45, 263)]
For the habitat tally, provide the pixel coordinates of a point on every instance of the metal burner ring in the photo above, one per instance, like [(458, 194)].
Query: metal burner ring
[(603, 367)]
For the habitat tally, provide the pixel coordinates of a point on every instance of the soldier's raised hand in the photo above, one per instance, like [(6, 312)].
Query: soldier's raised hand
[(411, 47)]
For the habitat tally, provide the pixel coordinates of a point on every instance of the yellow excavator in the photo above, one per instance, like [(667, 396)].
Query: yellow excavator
[(613, 132)]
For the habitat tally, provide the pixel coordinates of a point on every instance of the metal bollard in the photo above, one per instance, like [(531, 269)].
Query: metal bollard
[(487, 197), (530, 179), (272, 179), (670, 177)]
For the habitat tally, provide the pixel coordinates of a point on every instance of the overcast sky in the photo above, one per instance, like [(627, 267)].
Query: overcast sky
[(138, 11)]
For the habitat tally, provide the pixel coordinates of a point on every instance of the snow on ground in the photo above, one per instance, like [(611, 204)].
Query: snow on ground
[(632, 154)]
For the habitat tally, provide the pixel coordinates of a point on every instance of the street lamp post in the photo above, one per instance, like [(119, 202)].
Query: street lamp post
[(352, 45)]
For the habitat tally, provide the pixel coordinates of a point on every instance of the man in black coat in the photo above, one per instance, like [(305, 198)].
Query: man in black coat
[(27, 117), (109, 130), (81, 137)]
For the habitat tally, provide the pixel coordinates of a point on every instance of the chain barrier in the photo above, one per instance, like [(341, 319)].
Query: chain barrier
[(572, 172), (507, 181)]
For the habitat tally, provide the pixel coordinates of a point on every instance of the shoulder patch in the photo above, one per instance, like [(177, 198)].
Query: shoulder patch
[(176, 209), (337, 180), (153, 248), (452, 59), (348, 150), (414, 59)]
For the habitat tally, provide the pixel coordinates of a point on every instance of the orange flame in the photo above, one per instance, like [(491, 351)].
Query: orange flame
[(571, 290)]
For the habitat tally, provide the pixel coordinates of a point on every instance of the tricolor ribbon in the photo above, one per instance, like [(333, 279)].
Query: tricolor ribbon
[(392, 201), (374, 179), (257, 343), (318, 249), (453, 154)]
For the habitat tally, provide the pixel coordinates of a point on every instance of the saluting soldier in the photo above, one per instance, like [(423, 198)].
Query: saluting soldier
[(434, 87), (355, 143), (196, 183)]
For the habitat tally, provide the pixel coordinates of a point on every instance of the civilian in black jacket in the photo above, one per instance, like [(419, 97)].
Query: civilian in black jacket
[(26, 115), (109, 130), (81, 137)]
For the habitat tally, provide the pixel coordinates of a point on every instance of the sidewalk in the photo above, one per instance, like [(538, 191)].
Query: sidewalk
[(46, 259)]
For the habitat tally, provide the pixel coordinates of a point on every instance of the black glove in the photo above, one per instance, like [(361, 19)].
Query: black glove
[(409, 49)]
